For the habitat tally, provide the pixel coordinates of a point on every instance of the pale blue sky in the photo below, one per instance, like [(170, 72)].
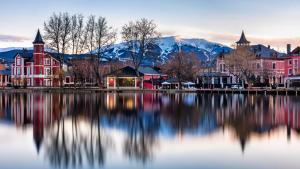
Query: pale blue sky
[(272, 22)]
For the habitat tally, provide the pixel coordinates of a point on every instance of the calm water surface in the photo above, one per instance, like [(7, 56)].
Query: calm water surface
[(134, 130)]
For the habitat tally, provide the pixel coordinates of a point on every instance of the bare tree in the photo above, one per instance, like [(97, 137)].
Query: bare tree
[(65, 35), (183, 66), (239, 63), (105, 36), (53, 29), (90, 29), (77, 31), (58, 33), (138, 36)]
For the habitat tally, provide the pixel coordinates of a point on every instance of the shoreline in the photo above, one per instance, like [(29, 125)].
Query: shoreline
[(252, 91)]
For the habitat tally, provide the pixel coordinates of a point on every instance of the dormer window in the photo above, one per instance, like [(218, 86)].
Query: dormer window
[(18, 61)]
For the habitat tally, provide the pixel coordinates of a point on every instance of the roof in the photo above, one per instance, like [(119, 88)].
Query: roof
[(265, 52), (5, 72), (127, 71), (214, 74), (148, 70), (296, 50), (38, 38), (172, 80), (28, 56), (243, 39)]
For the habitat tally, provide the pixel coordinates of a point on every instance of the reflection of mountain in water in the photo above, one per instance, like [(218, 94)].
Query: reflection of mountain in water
[(72, 128)]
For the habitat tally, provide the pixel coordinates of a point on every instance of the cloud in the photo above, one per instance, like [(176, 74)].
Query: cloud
[(12, 38), (277, 43)]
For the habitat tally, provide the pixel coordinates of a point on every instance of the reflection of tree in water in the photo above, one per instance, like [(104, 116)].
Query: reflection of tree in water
[(77, 132), (69, 146), (180, 116), (141, 137), (141, 128)]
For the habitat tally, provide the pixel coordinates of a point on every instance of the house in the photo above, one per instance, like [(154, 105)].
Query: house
[(269, 67), (124, 78), (5, 72), (36, 68), (127, 77), (292, 72), (152, 77)]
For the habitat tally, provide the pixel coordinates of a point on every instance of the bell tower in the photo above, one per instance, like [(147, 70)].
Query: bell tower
[(243, 41), (38, 58)]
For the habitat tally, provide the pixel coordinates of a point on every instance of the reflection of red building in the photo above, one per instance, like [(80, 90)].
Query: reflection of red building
[(38, 122)]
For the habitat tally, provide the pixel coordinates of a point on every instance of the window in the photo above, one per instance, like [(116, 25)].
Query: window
[(257, 65), (47, 71), (295, 63), (273, 65), (18, 71), (47, 61), (28, 71), (222, 67), (290, 71), (290, 61), (18, 61)]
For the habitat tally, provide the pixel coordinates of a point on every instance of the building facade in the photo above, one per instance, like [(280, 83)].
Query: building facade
[(269, 67), (35, 68)]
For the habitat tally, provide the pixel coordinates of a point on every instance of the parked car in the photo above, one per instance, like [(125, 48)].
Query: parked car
[(237, 87)]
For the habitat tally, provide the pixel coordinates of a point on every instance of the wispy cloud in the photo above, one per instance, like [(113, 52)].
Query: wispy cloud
[(12, 38), (278, 43)]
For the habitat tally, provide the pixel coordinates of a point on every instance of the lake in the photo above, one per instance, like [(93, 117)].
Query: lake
[(148, 130)]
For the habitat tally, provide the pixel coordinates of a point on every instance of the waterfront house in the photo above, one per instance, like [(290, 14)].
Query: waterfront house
[(124, 78), (5, 72), (127, 77), (269, 67), (36, 68), (292, 72)]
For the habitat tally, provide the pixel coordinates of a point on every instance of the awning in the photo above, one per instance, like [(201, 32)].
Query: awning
[(165, 83), (189, 83)]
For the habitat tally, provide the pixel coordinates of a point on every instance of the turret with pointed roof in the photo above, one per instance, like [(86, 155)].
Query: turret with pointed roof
[(243, 40), (38, 38)]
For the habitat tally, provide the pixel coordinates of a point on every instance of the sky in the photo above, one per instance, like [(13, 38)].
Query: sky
[(269, 22)]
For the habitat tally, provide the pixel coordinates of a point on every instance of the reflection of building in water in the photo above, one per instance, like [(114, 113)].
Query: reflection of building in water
[(36, 109), (147, 102), (123, 101), (259, 114)]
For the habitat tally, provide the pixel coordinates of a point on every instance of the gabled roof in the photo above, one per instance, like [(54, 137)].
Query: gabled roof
[(28, 56), (296, 50), (127, 71), (243, 39), (38, 38), (148, 70)]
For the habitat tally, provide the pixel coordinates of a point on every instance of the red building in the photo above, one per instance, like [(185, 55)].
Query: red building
[(36, 68)]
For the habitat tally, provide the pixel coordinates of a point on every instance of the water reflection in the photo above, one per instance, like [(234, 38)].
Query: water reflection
[(76, 130)]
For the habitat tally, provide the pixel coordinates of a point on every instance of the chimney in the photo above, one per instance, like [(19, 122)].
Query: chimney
[(288, 48), (269, 47)]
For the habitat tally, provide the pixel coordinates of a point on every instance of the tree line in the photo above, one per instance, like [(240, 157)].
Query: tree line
[(76, 34)]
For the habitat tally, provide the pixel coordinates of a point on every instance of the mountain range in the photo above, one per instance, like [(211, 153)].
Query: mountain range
[(163, 49)]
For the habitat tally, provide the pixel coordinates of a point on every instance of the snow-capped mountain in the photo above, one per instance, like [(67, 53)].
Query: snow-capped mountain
[(13, 48), (165, 47)]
